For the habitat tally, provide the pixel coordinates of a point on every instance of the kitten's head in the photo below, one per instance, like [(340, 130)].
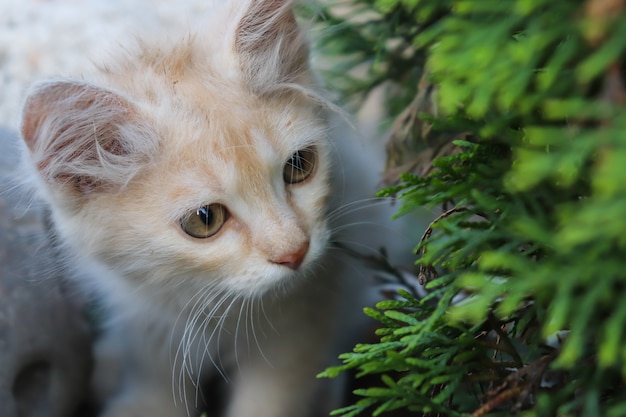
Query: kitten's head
[(204, 161)]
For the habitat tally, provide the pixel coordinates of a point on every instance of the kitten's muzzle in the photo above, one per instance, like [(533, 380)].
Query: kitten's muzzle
[(293, 260)]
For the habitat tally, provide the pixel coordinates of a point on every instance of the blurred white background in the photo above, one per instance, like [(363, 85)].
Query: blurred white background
[(43, 38)]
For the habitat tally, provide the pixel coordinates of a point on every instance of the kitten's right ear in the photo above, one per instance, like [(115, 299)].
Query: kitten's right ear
[(272, 48), (84, 136)]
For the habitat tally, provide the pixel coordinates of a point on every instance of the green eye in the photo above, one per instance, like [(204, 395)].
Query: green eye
[(299, 166), (205, 222)]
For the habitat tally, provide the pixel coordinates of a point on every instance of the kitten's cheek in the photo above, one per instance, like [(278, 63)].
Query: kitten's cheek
[(319, 244)]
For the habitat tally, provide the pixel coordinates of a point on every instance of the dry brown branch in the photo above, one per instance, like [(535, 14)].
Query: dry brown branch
[(427, 272)]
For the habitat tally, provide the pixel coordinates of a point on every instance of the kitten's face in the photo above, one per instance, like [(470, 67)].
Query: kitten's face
[(200, 164), (239, 198)]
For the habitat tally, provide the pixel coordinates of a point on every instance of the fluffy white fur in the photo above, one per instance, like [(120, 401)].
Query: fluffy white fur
[(168, 128)]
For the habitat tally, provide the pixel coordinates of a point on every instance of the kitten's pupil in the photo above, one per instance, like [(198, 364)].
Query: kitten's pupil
[(297, 161), (299, 166), (205, 221), (206, 215)]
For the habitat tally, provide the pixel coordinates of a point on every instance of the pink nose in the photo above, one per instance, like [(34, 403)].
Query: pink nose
[(293, 260)]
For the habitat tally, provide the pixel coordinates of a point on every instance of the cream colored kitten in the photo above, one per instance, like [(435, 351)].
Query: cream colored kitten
[(196, 182)]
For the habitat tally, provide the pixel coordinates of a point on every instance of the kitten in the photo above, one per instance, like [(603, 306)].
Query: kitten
[(198, 183)]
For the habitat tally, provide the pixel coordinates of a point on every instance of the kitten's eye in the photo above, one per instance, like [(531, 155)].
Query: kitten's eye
[(205, 222), (300, 166)]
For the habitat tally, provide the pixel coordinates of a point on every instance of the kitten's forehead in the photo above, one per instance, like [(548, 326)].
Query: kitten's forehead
[(232, 124), (247, 157), (236, 149)]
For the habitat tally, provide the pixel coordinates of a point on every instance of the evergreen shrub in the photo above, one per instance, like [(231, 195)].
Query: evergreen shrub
[(510, 119)]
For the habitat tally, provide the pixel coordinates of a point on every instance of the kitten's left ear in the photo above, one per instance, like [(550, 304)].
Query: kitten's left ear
[(271, 47), (84, 138)]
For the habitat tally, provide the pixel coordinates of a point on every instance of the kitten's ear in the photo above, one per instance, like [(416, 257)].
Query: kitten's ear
[(272, 48), (83, 136)]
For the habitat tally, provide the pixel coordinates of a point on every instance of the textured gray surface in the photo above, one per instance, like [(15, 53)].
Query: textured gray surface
[(45, 354)]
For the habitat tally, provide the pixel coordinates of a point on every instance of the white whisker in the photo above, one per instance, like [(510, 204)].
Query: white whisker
[(258, 344), (178, 353), (356, 206), (236, 348)]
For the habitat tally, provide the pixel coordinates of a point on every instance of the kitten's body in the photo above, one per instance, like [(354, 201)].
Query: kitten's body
[(208, 122)]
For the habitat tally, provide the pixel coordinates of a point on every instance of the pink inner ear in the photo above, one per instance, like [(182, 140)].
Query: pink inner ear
[(68, 125), (61, 106), (266, 20), (30, 121), (48, 101), (37, 106), (271, 46)]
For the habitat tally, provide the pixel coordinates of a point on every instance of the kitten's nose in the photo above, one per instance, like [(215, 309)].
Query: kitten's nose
[(293, 260)]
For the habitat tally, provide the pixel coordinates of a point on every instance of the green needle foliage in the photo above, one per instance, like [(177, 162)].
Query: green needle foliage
[(510, 116)]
